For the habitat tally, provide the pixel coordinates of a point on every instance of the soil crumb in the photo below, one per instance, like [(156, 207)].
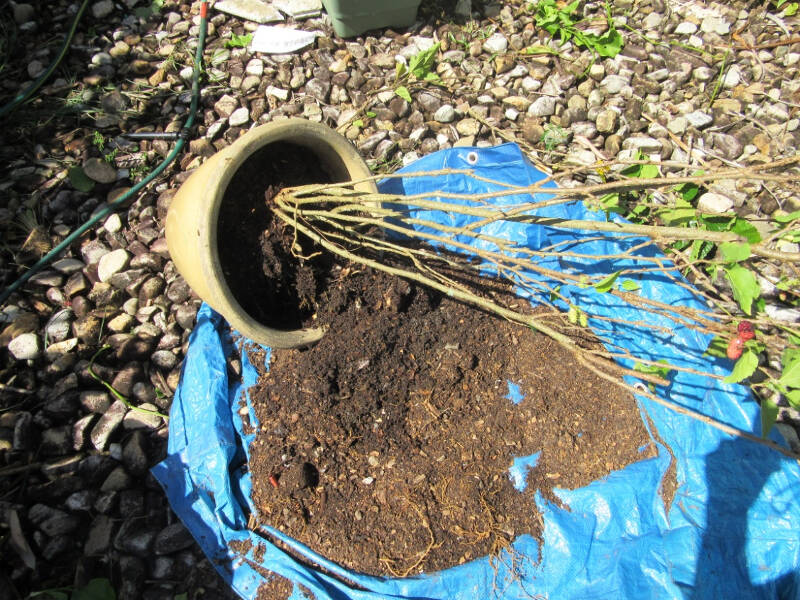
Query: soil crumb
[(386, 447)]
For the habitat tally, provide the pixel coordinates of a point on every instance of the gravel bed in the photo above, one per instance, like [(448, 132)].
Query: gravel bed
[(74, 457)]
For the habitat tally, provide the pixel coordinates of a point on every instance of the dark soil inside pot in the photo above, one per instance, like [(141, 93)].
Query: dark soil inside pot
[(264, 277), (386, 447)]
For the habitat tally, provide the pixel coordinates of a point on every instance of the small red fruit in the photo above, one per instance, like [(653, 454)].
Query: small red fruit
[(746, 331), (735, 347)]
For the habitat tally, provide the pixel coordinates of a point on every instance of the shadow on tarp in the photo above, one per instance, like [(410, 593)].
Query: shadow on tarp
[(731, 532)]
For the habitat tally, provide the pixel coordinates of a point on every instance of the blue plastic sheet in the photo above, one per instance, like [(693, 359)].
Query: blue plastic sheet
[(733, 530)]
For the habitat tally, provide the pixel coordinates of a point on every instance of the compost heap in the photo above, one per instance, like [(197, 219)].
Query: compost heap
[(386, 446)]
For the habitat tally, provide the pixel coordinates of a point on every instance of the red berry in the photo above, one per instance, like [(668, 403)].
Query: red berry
[(735, 347), (746, 331)]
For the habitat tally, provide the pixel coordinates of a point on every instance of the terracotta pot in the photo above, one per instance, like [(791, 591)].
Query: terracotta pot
[(192, 219)]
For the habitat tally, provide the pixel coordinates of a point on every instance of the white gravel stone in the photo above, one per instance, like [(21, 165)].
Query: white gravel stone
[(544, 106), (678, 125), (614, 84), (495, 44), (529, 84), (732, 77), (714, 24), (686, 28), (714, 203), (703, 74), (699, 119), (239, 117), (111, 263), (187, 73), (445, 114), (791, 59), (277, 92), (255, 67), (53, 351), (113, 223), (25, 346), (58, 327), (787, 315), (652, 21), (643, 143)]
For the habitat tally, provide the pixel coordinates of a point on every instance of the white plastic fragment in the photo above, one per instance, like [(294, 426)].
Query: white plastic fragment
[(281, 40)]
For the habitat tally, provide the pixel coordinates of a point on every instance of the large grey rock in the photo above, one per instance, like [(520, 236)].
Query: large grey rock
[(134, 455), (137, 419), (107, 424), (135, 538), (99, 170), (100, 533), (250, 10), (172, 538)]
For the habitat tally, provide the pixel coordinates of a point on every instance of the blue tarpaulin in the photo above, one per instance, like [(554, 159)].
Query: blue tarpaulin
[(732, 531)]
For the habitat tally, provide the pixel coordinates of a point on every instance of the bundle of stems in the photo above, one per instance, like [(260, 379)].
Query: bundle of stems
[(396, 234)]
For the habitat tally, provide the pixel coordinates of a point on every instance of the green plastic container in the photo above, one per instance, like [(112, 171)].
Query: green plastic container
[(353, 17)]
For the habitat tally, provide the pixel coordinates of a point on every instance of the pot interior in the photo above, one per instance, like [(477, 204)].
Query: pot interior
[(254, 248)]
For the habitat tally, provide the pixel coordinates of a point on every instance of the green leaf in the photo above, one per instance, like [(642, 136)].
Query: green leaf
[(746, 229), (790, 377), (432, 77), (793, 397), (96, 589), (606, 284), (583, 320), (370, 114), (79, 180), (183, 596), (783, 219), (403, 92), (629, 285), (717, 347), (791, 10), (734, 252), (239, 41), (688, 191), (358, 123), (680, 214), (744, 367), (653, 369), (769, 414), (422, 63), (554, 293), (745, 287), (790, 355)]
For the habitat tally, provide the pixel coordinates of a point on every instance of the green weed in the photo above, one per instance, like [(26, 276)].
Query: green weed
[(239, 41), (562, 22)]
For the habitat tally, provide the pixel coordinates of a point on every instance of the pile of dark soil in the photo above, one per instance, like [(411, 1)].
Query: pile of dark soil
[(386, 446)]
